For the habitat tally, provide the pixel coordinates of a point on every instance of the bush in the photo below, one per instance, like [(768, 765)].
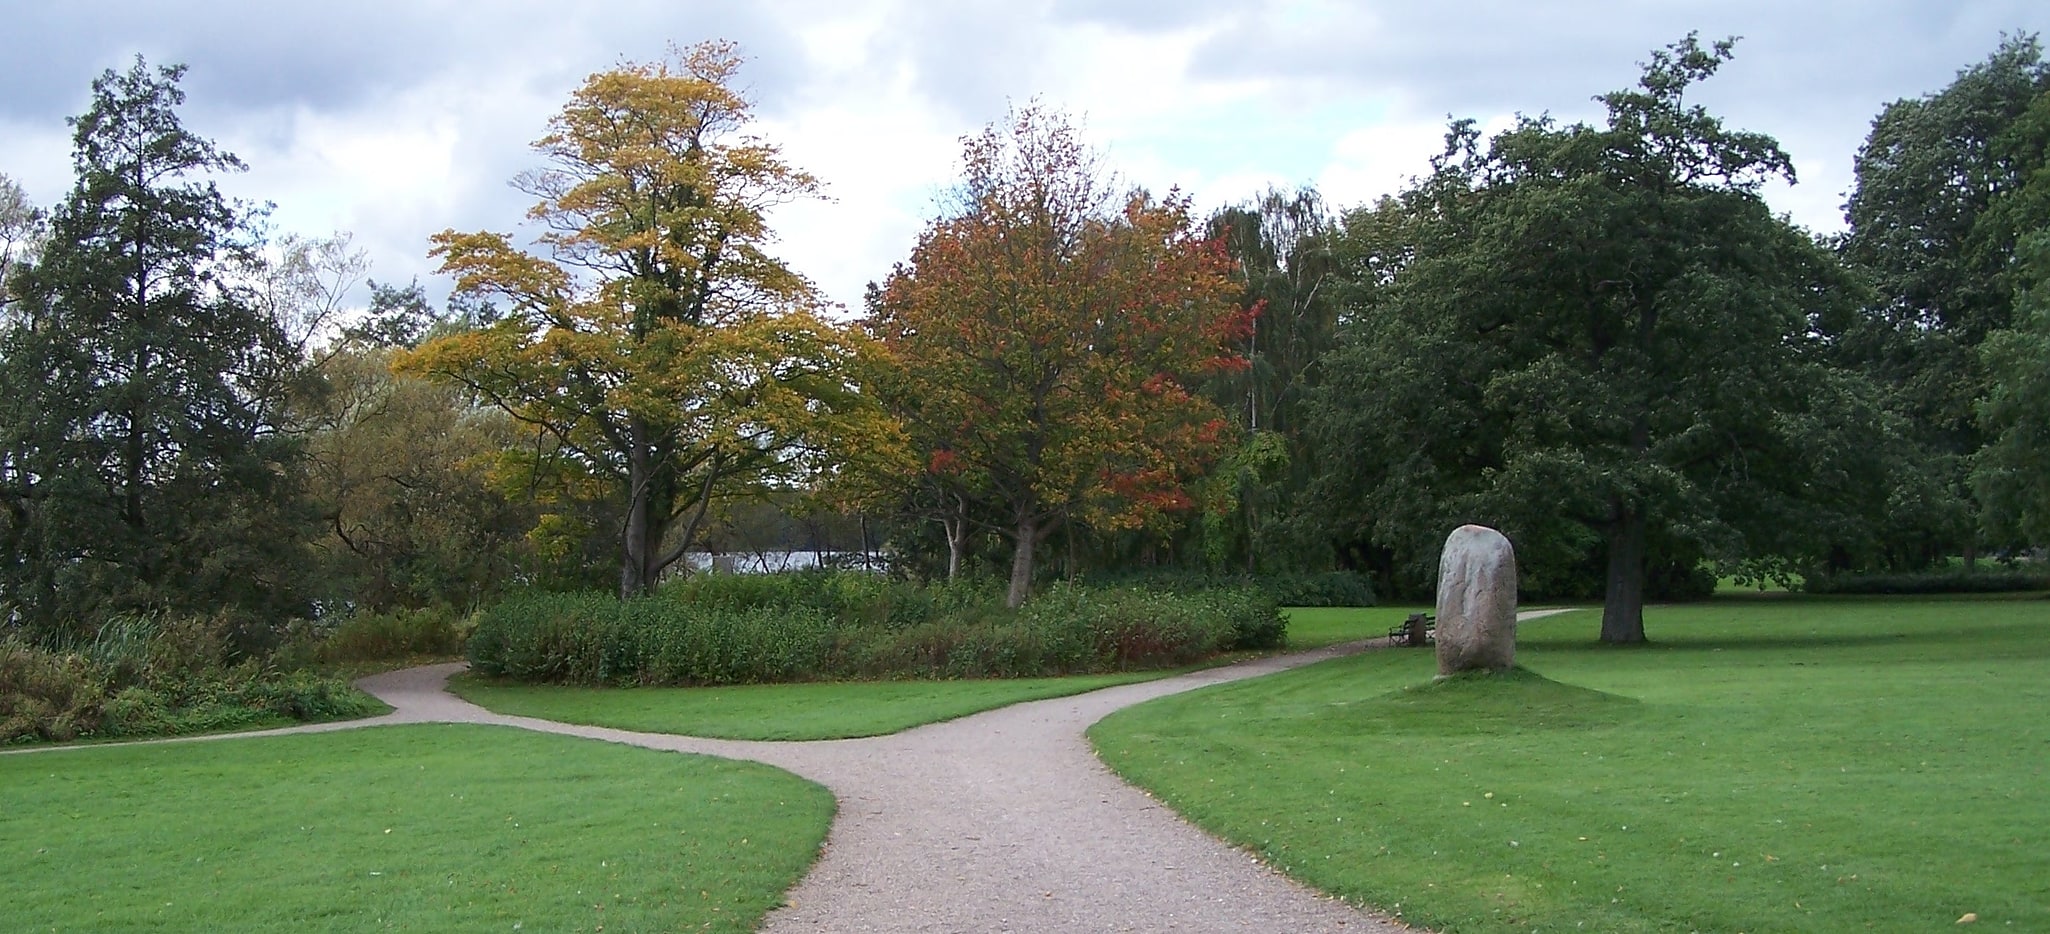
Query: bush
[(1326, 588), (45, 695), (395, 635), (1255, 614), (154, 676), (846, 596), (744, 629), (593, 638), (1330, 588), (1959, 580), (1126, 628)]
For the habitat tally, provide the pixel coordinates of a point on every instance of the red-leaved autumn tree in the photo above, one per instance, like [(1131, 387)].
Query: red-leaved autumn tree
[(1044, 334)]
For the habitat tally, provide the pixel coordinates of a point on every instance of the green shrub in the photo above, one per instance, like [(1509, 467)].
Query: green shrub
[(746, 629), (1133, 627), (147, 676), (395, 635), (1959, 580), (690, 644), (592, 638), (1329, 588), (1255, 615), (850, 597), (1326, 588), (545, 637), (46, 695)]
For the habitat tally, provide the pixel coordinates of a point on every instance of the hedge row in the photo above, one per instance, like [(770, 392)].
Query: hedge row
[(1327, 588), (737, 629), (1984, 580)]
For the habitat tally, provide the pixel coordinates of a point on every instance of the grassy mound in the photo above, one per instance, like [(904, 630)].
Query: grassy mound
[(1491, 702)]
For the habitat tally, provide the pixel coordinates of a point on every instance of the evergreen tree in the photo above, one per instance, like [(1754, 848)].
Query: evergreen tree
[(139, 471)]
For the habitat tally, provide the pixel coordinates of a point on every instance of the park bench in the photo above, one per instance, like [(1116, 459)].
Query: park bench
[(1417, 631)]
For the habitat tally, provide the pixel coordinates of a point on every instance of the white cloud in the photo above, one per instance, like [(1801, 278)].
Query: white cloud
[(409, 119)]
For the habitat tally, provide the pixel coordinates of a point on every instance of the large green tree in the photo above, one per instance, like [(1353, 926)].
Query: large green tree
[(1935, 217), (651, 335), (2012, 473), (1597, 338), (141, 469)]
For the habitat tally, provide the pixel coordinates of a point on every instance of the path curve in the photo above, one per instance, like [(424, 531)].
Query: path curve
[(1000, 821)]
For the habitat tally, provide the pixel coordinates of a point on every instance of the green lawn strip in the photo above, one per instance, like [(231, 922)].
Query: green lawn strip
[(422, 828), (812, 710), (1794, 764), (842, 710), (1316, 627)]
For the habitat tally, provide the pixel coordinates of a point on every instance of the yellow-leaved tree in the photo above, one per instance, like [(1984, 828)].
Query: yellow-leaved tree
[(649, 334)]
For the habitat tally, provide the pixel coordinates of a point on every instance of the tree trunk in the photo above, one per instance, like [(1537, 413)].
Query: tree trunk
[(637, 549), (1623, 605), (957, 538), (1021, 563)]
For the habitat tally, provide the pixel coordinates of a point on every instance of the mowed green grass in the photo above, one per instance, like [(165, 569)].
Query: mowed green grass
[(821, 710), (1316, 627), (1769, 764), (845, 710), (405, 828)]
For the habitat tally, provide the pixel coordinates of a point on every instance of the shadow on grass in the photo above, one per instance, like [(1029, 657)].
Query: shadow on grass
[(1950, 644), (1931, 628), (1490, 702)]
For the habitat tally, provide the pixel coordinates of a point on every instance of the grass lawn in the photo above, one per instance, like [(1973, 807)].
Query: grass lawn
[(1316, 627), (420, 828), (843, 710), (1772, 763), (848, 709), (821, 710)]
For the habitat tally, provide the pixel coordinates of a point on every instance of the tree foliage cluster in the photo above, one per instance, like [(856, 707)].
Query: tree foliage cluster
[(1594, 336)]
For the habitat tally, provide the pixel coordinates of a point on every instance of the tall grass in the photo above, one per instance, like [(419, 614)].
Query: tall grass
[(757, 629)]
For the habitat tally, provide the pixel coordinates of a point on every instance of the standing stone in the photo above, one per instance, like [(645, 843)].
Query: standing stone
[(1476, 602)]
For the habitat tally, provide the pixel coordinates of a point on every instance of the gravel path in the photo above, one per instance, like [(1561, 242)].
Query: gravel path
[(1001, 821)]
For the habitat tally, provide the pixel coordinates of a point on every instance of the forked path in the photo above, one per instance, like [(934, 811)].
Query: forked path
[(1001, 821)]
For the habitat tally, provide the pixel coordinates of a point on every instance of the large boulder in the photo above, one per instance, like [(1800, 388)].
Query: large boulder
[(1476, 602)]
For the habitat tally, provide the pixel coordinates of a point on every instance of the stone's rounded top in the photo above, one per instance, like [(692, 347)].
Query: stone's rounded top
[(1475, 534)]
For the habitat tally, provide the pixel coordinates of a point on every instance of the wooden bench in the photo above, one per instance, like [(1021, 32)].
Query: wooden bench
[(1416, 631)]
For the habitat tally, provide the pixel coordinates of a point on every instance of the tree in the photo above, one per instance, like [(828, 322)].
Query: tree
[(140, 471), (1044, 337), (2012, 475), (1934, 225), (401, 473), (653, 337), (1282, 245), (1597, 338), (22, 228)]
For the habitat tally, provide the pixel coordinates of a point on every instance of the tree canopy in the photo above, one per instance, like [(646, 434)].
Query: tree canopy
[(653, 339), (143, 467), (1940, 204), (1597, 338), (1044, 338)]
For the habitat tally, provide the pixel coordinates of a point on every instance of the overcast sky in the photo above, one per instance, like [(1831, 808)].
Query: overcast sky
[(394, 120)]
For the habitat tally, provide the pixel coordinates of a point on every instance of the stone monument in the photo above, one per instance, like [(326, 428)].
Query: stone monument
[(1476, 602)]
